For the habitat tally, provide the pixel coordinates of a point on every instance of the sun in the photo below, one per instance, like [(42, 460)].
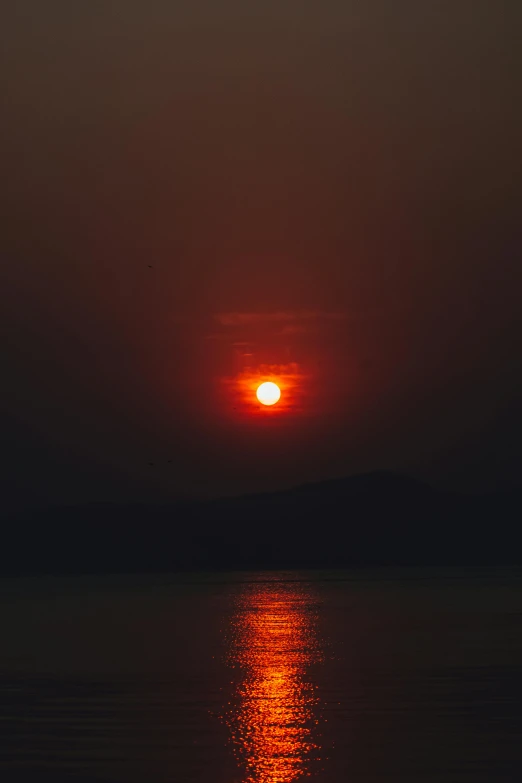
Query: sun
[(268, 393)]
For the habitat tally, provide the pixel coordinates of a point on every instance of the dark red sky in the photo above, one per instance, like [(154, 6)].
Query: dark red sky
[(328, 191)]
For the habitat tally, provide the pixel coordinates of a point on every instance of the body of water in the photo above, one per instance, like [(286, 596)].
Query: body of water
[(263, 678)]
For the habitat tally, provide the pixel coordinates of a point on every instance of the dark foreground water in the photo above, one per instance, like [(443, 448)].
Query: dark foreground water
[(268, 677)]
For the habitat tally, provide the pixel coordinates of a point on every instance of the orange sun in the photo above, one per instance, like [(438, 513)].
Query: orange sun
[(268, 393)]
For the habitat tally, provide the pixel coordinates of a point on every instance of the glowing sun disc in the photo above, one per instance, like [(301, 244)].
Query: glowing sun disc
[(268, 393)]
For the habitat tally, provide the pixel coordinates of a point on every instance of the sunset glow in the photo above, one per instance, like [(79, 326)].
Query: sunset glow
[(268, 393)]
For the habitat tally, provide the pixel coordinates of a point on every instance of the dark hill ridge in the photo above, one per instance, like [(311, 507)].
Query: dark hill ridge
[(370, 519)]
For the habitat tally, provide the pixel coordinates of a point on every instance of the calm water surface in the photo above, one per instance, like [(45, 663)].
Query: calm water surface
[(263, 678)]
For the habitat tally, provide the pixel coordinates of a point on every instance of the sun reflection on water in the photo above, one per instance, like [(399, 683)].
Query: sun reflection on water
[(274, 715)]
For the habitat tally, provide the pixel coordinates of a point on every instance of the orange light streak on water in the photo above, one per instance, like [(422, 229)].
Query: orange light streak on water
[(274, 718)]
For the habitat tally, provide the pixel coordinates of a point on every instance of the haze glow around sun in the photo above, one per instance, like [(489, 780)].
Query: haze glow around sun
[(268, 393)]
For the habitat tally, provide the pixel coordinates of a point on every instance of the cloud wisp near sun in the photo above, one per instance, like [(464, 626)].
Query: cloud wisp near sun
[(275, 348)]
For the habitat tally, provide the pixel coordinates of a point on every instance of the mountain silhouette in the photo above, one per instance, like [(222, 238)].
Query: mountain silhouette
[(375, 518)]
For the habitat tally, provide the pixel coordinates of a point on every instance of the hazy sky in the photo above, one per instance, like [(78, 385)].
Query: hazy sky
[(327, 192)]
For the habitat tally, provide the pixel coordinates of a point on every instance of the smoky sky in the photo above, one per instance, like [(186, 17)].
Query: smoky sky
[(194, 190)]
